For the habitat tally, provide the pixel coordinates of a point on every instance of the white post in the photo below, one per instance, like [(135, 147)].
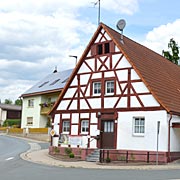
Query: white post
[(158, 128)]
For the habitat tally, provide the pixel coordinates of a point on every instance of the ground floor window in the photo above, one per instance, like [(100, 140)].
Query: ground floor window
[(66, 126), (84, 126), (29, 121), (138, 125)]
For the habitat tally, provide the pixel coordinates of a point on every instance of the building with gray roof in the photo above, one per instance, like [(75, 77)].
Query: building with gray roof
[(40, 98)]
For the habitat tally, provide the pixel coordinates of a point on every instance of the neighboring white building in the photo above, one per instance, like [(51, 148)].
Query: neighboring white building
[(116, 96), (39, 99)]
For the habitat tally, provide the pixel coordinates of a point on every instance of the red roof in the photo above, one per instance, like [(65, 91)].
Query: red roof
[(161, 76)]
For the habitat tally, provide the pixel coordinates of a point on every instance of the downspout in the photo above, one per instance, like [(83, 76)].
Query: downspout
[(169, 141)]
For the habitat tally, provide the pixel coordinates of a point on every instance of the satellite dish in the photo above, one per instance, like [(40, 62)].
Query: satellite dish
[(121, 24)]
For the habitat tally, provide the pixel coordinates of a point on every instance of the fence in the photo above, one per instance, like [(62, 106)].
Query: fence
[(33, 133), (129, 156)]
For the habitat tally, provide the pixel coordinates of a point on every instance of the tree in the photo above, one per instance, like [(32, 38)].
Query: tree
[(18, 102), (172, 56), (8, 101)]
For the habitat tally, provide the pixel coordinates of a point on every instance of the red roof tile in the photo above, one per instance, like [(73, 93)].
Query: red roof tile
[(161, 76)]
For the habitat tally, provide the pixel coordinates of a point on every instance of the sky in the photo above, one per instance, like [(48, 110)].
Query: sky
[(38, 35)]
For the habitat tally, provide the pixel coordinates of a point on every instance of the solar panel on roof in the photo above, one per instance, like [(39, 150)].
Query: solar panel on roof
[(54, 82), (43, 84)]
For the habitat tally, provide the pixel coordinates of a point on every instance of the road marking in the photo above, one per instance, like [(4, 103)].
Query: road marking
[(10, 158)]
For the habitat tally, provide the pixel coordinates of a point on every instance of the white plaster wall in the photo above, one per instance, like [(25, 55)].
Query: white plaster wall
[(74, 129), (84, 69), (122, 75), (4, 115), (63, 105), (84, 115), (75, 118), (31, 112), (126, 139), (70, 92), (109, 102), (43, 120), (93, 130), (96, 75), (83, 104), (149, 100), (95, 102), (134, 75), (94, 118), (140, 87), (174, 135), (93, 143), (56, 121), (109, 74), (124, 63)]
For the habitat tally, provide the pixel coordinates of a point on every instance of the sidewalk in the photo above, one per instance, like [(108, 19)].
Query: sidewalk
[(36, 155)]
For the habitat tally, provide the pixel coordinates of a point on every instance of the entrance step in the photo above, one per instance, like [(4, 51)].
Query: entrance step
[(94, 156)]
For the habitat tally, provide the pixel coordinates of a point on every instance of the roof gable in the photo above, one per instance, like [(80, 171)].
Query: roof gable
[(160, 76)]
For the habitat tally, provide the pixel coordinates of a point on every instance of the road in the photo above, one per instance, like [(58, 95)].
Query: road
[(13, 167)]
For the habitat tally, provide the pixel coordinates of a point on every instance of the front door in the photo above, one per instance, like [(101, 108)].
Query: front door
[(107, 134)]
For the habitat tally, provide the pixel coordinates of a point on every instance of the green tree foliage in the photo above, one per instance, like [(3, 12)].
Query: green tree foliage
[(18, 102), (172, 56), (8, 101)]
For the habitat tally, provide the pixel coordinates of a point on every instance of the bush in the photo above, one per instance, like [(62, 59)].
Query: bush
[(68, 151), (12, 122), (71, 155), (108, 160)]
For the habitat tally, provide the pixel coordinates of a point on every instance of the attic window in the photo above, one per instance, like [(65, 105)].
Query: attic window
[(54, 82), (103, 48), (106, 48), (99, 49), (44, 83)]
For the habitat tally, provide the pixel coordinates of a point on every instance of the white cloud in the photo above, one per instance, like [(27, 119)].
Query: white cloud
[(37, 35), (159, 37)]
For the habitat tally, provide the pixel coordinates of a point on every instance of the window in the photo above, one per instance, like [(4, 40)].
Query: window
[(31, 103), (99, 49), (109, 87), (108, 126), (97, 88), (29, 121), (84, 126), (106, 46), (103, 48), (66, 126), (139, 125)]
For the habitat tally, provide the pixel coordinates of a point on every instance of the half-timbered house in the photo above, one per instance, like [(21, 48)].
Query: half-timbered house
[(116, 97)]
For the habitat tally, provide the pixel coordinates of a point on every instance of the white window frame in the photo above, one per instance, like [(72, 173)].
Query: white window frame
[(31, 103), (65, 128), (138, 126), (110, 93), (29, 121), (84, 126), (95, 88)]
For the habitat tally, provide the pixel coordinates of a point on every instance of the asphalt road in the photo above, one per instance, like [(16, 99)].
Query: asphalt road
[(13, 167)]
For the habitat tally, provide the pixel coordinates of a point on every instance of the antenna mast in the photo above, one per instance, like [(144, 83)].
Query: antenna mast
[(99, 10)]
